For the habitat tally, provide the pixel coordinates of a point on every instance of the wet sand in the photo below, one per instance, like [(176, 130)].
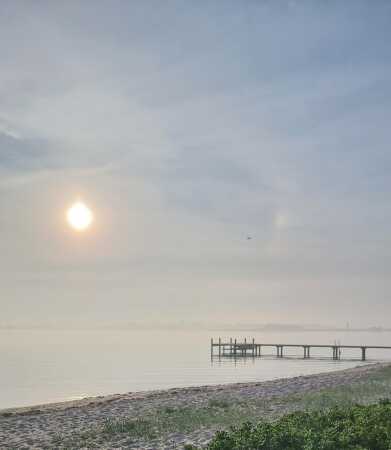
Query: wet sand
[(48, 426)]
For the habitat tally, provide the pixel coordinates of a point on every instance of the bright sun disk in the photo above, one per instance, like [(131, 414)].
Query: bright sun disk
[(79, 216)]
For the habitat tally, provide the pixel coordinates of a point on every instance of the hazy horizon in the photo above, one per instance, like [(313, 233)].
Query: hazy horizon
[(183, 325), (235, 155)]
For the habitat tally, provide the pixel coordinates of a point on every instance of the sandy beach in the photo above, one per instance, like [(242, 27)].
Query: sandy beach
[(86, 423)]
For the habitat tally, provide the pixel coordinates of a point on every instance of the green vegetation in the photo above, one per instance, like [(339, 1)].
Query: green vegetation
[(222, 412), (184, 419), (352, 428), (135, 428), (369, 390)]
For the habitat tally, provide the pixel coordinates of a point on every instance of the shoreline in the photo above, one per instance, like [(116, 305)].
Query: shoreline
[(50, 425), (99, 399)]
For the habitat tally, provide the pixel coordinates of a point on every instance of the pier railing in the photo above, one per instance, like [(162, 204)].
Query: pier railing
[(233, 348)]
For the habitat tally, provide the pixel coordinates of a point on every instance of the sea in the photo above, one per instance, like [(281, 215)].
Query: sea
[(44, 366)]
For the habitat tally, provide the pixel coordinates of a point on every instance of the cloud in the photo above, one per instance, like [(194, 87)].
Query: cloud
[(7, 130), (17, 154)]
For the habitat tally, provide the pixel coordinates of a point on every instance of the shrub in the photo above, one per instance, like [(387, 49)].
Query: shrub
[(354, 428)]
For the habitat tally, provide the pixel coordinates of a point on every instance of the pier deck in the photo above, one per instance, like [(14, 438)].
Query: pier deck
[(253, 349)]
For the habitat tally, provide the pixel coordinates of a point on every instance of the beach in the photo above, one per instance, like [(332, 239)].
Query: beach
[(166, 419)]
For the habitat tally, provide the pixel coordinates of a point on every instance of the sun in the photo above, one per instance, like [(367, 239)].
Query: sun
[(79, 216)]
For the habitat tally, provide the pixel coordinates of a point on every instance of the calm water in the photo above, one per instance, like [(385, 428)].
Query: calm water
[(47, 366)]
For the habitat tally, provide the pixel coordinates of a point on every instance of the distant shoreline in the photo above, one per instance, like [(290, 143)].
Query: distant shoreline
[(85, 421), (189, 326)]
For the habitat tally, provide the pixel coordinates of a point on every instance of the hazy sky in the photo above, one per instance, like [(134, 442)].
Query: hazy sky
[(187, 126)]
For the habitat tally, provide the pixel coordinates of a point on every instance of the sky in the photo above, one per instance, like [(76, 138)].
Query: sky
[(187, 127)]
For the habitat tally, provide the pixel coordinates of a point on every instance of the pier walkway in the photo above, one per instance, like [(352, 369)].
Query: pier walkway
[(252, 349)]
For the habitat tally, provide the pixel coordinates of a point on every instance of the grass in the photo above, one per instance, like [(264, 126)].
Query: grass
[(170, 420), (222, 413), (136, 428), (371, 390)]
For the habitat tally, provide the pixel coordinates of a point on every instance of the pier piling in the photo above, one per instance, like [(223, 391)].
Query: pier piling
[(233, 348)]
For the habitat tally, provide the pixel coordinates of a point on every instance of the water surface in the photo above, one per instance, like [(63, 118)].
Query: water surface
[(49, 366)]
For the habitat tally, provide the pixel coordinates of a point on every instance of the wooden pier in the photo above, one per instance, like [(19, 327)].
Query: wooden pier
[(234, 349)]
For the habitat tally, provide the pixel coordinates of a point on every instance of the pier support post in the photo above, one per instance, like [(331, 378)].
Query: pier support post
[(253, 349)]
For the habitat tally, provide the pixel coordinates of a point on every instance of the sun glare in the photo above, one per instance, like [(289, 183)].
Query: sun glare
[(79, 216)]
